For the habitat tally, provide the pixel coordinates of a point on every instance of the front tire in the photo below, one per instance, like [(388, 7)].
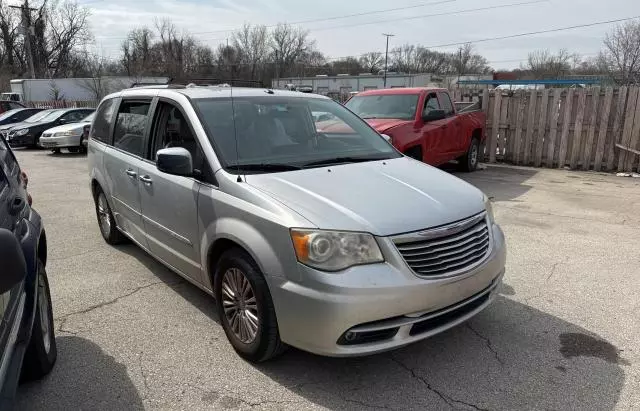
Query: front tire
[(106, 221), (469, 161), (42, 351), (55, 151), (245, 307)]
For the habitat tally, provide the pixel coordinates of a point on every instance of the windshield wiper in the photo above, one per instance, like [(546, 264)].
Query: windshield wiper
[(342, 160), (264, 167), (369, 117)]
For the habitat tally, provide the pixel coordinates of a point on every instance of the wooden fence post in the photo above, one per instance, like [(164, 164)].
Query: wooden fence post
[(630, 113), (519, 121), (591, 131), (495, 128), (566, 126), (617, 126), (604, 127), (533, 98), (553, 131), (577, 130), (542, 128), (632, 141)]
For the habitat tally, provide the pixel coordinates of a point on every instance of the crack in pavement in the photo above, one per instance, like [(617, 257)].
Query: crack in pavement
[(63, 318), (450, 401), (236, 396), (553, 270), (487, 342), (144, 377)]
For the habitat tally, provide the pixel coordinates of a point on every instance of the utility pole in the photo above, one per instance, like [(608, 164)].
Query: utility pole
[(386, 58), (26, 32)]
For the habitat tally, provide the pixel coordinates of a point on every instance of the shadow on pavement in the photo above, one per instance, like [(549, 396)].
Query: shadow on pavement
[(509, 357), (500, 183), (82, 368)]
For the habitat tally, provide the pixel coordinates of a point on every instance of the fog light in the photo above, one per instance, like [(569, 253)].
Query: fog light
[(350, 336)]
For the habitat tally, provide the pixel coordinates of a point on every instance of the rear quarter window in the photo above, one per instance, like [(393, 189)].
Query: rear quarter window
[(101, 130)]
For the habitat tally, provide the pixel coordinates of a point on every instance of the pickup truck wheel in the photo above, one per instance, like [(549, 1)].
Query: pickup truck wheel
[(106, 221), (245, 307), (469, 161), (42, 351)]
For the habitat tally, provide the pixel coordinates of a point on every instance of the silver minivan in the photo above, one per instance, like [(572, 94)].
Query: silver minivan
[(306, 225)]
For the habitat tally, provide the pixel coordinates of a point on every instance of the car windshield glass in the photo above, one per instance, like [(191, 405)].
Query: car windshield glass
[(397, 106), (88, 118), (9, 113), (279, 133), (40, 116)]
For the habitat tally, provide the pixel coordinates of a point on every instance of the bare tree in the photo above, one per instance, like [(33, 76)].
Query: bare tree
[(289, 44), (253, 45), (137, 51), (622, 52), (371, 62), (543, 63)]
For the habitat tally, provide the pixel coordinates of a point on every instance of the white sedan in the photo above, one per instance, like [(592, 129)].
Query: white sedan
[(70, 136)]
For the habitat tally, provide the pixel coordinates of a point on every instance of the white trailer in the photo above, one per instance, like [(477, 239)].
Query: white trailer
[(73, 89)]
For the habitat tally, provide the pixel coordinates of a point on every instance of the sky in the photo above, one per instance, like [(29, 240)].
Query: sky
[(211, 22)]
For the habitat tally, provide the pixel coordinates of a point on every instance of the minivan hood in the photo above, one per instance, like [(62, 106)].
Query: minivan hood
[(383, 124), (381, 197)]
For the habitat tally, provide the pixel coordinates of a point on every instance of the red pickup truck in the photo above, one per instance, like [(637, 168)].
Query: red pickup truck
[(423, 123)]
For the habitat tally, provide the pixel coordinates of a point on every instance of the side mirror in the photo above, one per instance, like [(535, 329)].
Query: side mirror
[(175, 160), (14, 267), (434, 115), (388, 138)]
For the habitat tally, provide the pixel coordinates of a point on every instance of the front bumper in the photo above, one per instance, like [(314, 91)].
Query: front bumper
[(386, 305), (17, 141), (62, 141)]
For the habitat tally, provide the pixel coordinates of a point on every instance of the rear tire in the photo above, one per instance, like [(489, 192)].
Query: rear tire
[(255, 341), (55, 151), (469, 161), (73, 149), (106, 221), (42, 351)]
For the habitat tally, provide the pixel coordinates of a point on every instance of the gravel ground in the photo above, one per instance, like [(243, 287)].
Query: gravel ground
[(563, 334)]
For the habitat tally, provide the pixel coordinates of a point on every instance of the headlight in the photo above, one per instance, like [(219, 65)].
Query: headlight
[(64, 134), (489, 208), (335, 250), (22, 132)]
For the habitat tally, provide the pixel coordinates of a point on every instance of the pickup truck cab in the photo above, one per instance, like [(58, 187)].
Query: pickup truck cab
[(424, 124)]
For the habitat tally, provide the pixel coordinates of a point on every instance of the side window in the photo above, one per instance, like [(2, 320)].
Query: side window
[(172, 130), (431, 103), (447, 106), (130, 125), (102, 123), (7, 158)]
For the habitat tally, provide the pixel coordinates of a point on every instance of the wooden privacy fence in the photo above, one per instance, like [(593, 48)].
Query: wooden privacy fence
[(589, 129)]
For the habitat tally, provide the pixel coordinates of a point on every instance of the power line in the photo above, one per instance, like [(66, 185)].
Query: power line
[(415, 6), (424, 16), (531, 33)]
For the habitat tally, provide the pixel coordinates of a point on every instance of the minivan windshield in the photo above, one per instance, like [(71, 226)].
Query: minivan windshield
[(273, 133), (395, 106), (41, 116)]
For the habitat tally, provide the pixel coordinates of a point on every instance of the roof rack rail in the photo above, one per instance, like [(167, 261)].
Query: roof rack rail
[(215, 81)]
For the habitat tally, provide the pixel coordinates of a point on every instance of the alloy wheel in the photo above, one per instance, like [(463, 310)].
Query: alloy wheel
[(240, 305), (103, 214), (43, 306)]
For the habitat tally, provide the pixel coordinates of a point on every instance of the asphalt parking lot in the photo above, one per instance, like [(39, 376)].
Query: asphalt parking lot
[(563, 334)]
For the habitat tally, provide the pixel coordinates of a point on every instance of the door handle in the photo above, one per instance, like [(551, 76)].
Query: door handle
[(146, 180), (131, 173)]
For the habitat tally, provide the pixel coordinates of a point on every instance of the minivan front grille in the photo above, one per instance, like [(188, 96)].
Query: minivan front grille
[(448, 249)]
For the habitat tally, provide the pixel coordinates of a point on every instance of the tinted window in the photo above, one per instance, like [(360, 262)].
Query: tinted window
[(102, 124), (8, 114), (7, 158), (39, 116), (396, 106), (130, 125), (445, 101), (284, 131)]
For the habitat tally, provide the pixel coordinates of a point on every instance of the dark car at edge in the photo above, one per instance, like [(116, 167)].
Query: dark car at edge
[(28, 133), (27, 339)]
